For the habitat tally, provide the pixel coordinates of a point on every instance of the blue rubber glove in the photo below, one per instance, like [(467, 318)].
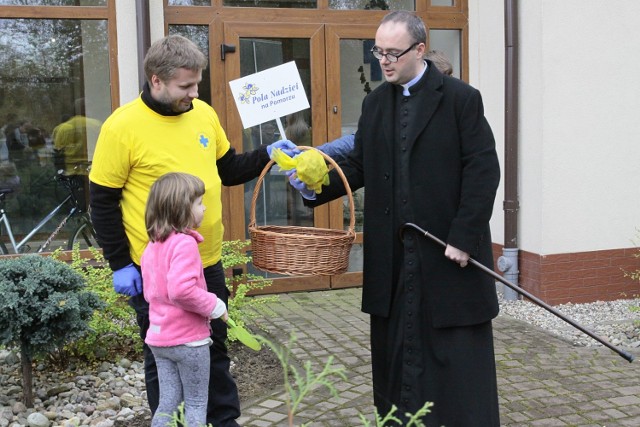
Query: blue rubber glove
[(338, 149), (127, 281), (300, 186), (288, 147)]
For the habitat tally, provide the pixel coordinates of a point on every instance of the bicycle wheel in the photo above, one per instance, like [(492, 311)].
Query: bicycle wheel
[(84, 236)]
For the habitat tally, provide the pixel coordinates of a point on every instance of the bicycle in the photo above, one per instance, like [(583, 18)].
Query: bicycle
[(83, 234)]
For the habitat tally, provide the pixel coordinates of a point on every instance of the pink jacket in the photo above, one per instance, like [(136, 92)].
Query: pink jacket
[(174, 286)]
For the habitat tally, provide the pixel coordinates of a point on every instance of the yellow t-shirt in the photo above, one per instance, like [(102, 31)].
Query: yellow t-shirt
[(136, 146)]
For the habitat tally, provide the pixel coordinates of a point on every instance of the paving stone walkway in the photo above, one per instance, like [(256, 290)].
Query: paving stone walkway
[(543, 380)]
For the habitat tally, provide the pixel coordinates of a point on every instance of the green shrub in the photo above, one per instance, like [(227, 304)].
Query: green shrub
[(413, 420), (114, 330), (177, 419), (300, 383), (44, 305), (240, 305)]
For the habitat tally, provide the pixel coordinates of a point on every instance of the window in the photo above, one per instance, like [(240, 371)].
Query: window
[(55, 91), (373, 4), (53, 2)]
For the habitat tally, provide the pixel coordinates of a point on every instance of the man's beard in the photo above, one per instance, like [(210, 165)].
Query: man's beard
[(174, 105)]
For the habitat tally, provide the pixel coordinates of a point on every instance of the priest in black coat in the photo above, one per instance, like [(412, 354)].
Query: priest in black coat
[(426, 155)]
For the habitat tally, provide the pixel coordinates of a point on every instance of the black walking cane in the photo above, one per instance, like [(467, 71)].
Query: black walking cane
[(521, 291)]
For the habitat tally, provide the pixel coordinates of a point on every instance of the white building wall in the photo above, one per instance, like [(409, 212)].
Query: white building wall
[(486, 73), (579, 129), (531, 129), (127, 50), (592, 132), (156, 18), (128, 43)]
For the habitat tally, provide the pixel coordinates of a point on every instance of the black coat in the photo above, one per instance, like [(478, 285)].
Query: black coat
[(454, 174)]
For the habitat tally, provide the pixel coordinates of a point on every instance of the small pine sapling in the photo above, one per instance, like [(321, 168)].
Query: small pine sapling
[(44, 305)]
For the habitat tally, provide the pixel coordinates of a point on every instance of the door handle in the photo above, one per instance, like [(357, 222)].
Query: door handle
[(226, 48)]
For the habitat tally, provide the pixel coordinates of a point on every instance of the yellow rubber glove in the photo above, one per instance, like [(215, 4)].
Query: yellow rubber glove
[(309, 165), (285, 162)]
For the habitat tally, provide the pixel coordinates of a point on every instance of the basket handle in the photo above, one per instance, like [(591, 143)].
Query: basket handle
[(256, 189)]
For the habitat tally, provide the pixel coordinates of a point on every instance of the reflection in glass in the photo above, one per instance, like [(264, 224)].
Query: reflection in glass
[(355, 257), (53, 2), (189, 2), (448, 42), (280, 4), (277, 203), (54, 93), (360, 73), (199, 34), (442, 3), (372, 4)]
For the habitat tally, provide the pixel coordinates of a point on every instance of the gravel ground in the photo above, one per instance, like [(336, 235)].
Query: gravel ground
[(111, 395), (616, 321)]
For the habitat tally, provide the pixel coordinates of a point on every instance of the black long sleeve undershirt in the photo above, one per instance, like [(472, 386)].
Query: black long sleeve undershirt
[(106, 217), (237, 169)]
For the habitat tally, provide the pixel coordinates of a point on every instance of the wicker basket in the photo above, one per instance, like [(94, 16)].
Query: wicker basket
[(294, 250)]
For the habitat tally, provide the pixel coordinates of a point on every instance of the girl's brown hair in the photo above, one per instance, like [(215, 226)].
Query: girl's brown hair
[(169, 204)]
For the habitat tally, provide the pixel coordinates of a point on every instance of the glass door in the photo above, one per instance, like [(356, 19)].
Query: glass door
[(352, 73), (257, 48), (338, 71)]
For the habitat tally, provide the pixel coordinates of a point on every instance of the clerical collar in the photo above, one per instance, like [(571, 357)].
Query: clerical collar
[(416, 79), (157, 106)]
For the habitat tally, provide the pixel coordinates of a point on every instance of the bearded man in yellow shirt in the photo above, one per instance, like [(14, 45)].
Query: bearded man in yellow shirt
[(167, 129)]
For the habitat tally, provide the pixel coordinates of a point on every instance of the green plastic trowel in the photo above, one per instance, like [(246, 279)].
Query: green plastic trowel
[(243, 335)]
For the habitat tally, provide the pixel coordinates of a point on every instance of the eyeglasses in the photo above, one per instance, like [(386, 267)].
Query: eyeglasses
[(391, 57)]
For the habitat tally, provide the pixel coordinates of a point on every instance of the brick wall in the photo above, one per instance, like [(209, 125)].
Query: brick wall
[(578, 277)]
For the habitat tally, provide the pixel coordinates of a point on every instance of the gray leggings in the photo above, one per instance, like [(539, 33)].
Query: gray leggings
[(183, 374)]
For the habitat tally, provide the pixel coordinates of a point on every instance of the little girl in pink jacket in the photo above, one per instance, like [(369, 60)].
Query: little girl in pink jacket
[(180, 307)]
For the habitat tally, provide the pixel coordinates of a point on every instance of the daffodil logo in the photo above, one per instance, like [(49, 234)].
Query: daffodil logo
[(249, 90)]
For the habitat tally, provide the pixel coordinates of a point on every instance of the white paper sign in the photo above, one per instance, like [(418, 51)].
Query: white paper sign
[(269, 94)]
